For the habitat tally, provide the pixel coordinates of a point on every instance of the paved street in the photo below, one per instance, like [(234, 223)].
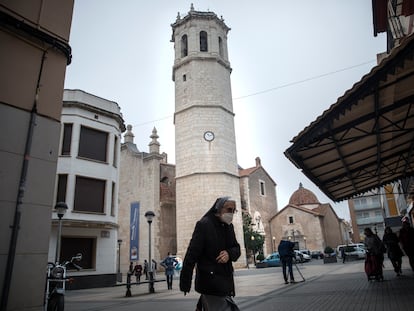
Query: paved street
[(334, 286)]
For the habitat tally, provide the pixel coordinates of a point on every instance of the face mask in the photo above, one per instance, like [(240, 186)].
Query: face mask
[(227, 218)]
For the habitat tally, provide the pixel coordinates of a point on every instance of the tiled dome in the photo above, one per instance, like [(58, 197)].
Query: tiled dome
[(303, 196)]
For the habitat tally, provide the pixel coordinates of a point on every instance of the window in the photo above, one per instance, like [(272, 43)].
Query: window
[(92, 144), (184, 46), (220, 46), (89, 195), (291, 219), (113, 200), (262, 187), (71, 246), (203, 41), (115, 151), (61, 188), (67, 137)]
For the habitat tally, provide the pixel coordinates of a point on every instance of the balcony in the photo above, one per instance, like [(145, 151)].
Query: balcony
[(367, 207), (370, 220)]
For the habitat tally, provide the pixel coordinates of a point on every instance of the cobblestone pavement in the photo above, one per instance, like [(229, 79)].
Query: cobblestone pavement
[(335, 286)]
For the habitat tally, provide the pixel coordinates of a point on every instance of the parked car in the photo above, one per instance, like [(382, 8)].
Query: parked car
[(301, 257), (273, 260), (339, 247), (317, 254), (356, 252)]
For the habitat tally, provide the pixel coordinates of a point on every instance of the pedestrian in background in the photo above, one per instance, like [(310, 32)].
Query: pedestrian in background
[(212, 249), (138, 272), (394, 251), (154, 268), (343, 254), (286, 254), (169, 264), (406, 237), (146, 269)]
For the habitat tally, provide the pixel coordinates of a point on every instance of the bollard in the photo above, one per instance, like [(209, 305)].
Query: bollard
[(151, 282), (128, 285)]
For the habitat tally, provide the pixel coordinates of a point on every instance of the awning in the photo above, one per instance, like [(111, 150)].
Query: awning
[(366, 139)]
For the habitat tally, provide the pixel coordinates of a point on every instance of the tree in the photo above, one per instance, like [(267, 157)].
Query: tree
[(253, 241)]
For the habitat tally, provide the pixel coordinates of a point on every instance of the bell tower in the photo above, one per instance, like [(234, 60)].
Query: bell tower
[(205, 143)]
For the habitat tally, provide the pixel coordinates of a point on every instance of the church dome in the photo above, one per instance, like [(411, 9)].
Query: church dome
[(303, 196)]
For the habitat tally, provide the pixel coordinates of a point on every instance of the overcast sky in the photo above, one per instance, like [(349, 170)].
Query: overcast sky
[(291, 60)]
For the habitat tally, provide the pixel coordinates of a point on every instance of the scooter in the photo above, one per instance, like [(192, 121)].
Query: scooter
[(56, 279)]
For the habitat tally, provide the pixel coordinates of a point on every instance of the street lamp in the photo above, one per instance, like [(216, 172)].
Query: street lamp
[(304, 238), (60, 208), (149, 216), (119, 261), (274, 244)]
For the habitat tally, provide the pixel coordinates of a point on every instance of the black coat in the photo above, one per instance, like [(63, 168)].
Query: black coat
[(210, 236)]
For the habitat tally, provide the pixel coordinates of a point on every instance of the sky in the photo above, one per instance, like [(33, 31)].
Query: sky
[(291, 61)]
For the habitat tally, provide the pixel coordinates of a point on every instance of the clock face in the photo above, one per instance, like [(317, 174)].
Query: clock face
[(209, 136)]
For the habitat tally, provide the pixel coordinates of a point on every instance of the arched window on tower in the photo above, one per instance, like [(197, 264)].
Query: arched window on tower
[(184, 46), (203, 41), (220, 46)]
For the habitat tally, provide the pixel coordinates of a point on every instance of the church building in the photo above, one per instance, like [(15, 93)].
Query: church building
[(308, 223)]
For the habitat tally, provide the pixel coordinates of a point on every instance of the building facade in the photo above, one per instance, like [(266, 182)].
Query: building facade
[(377, 209), (258, 198), (34, 53), (147, 183), (205, 144), (309, 223), (88, 181)]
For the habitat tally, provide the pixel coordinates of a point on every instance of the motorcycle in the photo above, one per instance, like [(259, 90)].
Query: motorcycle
[(56, 279)]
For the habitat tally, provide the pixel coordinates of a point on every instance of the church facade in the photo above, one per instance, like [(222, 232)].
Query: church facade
[(308, 223)]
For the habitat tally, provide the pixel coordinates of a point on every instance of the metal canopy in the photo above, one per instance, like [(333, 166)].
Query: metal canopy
[(366, 139)]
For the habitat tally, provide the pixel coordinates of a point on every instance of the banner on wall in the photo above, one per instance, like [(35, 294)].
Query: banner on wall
[(134, 232)]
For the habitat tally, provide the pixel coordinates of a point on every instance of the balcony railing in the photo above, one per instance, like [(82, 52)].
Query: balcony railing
[(370, 220)]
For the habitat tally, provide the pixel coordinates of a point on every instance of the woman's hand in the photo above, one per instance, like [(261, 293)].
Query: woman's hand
[(223, 257)]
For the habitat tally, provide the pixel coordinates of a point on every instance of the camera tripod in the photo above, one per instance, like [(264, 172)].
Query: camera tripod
[(297, 268)]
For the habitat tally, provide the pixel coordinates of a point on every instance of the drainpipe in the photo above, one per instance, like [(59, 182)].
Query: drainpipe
[(20, 195)]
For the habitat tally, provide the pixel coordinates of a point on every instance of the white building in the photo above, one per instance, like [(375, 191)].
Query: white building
[(87, 180)]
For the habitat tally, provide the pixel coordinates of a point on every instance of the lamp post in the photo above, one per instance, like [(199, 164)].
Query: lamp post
[(149, 216), (253, 250), (119, 276), (304, 238), (60, 208), (274, 244)]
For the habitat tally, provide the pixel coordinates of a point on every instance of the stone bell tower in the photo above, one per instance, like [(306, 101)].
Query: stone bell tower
[(205, 143)]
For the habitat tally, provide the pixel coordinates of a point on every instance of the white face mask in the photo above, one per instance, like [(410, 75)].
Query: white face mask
[(227, 218)]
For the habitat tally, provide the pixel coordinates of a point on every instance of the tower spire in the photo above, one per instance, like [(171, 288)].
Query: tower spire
[(154, 145)]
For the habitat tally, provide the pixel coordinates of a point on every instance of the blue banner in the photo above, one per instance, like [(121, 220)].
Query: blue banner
[(134, 232)]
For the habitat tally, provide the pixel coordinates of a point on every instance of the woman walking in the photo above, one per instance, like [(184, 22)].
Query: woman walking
[(394, 251)]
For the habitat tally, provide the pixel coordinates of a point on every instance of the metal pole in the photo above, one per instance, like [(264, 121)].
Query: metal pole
[(151, 276), (119, 276), (57, 255), (119, 258)]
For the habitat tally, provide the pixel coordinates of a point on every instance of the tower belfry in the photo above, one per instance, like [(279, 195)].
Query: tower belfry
[(205, 143)]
